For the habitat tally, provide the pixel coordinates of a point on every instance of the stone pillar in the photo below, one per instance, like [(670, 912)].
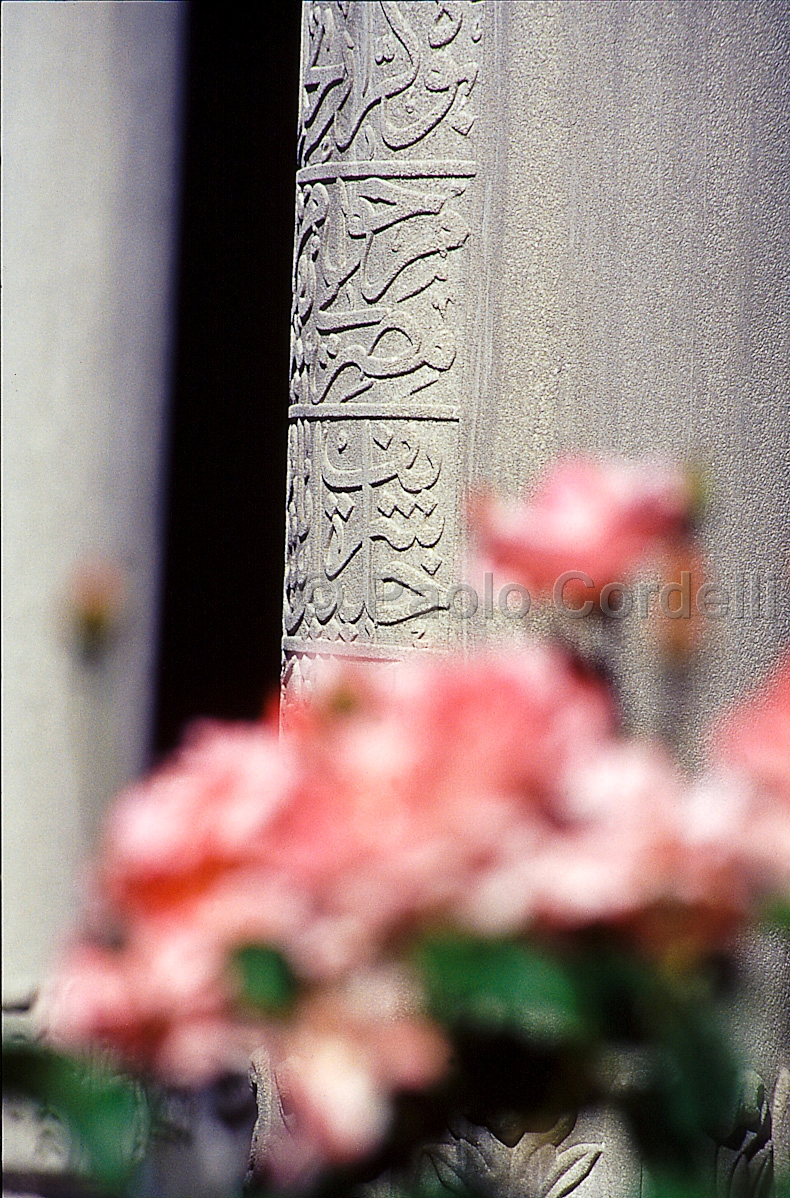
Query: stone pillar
[(525, 229), (391, 323), (91, 103)]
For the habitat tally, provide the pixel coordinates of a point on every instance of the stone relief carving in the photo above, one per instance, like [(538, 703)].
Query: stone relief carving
[(371, 290), (744, 1161), (534, 1165), (369, 503), (780, 1123), (537, 1165), (553, 1163), (755, 1151), (419, 82), (381, 256)]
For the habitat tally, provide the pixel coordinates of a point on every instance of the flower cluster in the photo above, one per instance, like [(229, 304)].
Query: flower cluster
[(386, 806), (270, 890), (494, 796)]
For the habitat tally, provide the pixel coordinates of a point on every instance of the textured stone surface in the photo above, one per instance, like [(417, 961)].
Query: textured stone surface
[(641, 278)]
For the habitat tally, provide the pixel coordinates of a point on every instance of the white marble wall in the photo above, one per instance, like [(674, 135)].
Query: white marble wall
[(639, 279), (91, 135)]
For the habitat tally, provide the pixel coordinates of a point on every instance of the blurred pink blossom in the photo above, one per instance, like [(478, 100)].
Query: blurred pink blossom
[(174, 833), (599, 517), (159, 1001), (599, 854), (755, 736), (494, 794), (752, 744), (350, 1048), (377, 811)]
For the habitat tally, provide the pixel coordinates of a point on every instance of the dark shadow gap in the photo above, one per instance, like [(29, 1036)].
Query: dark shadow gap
[(219, 651)]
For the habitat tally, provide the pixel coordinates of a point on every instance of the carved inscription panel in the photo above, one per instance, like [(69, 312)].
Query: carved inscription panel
[(370, 507), (381, 259)]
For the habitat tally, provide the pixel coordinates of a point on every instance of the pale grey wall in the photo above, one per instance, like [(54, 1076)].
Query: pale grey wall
[(642, 290), (91, 118)]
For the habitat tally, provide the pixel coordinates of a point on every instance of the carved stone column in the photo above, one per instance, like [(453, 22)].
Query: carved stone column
[(525, 229), (390, 319)]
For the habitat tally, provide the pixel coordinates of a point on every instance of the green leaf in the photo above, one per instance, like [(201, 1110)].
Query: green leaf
[(776, 913), (265, 978), (686, 1085), (108, 1113), (669, 1185), (434, 1187), (501, 986), (694, 1082)]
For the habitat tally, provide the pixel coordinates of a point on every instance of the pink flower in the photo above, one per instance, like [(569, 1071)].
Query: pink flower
[(337, 1102), (755, 737), (495, 794), (377, 812), (161, 1001), (349, 1049), (417, 779), (89, 998), (201, 814), (197, 1049), (602, 851), (601, 518), (723, 823), (752, 743), (629, 844)]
